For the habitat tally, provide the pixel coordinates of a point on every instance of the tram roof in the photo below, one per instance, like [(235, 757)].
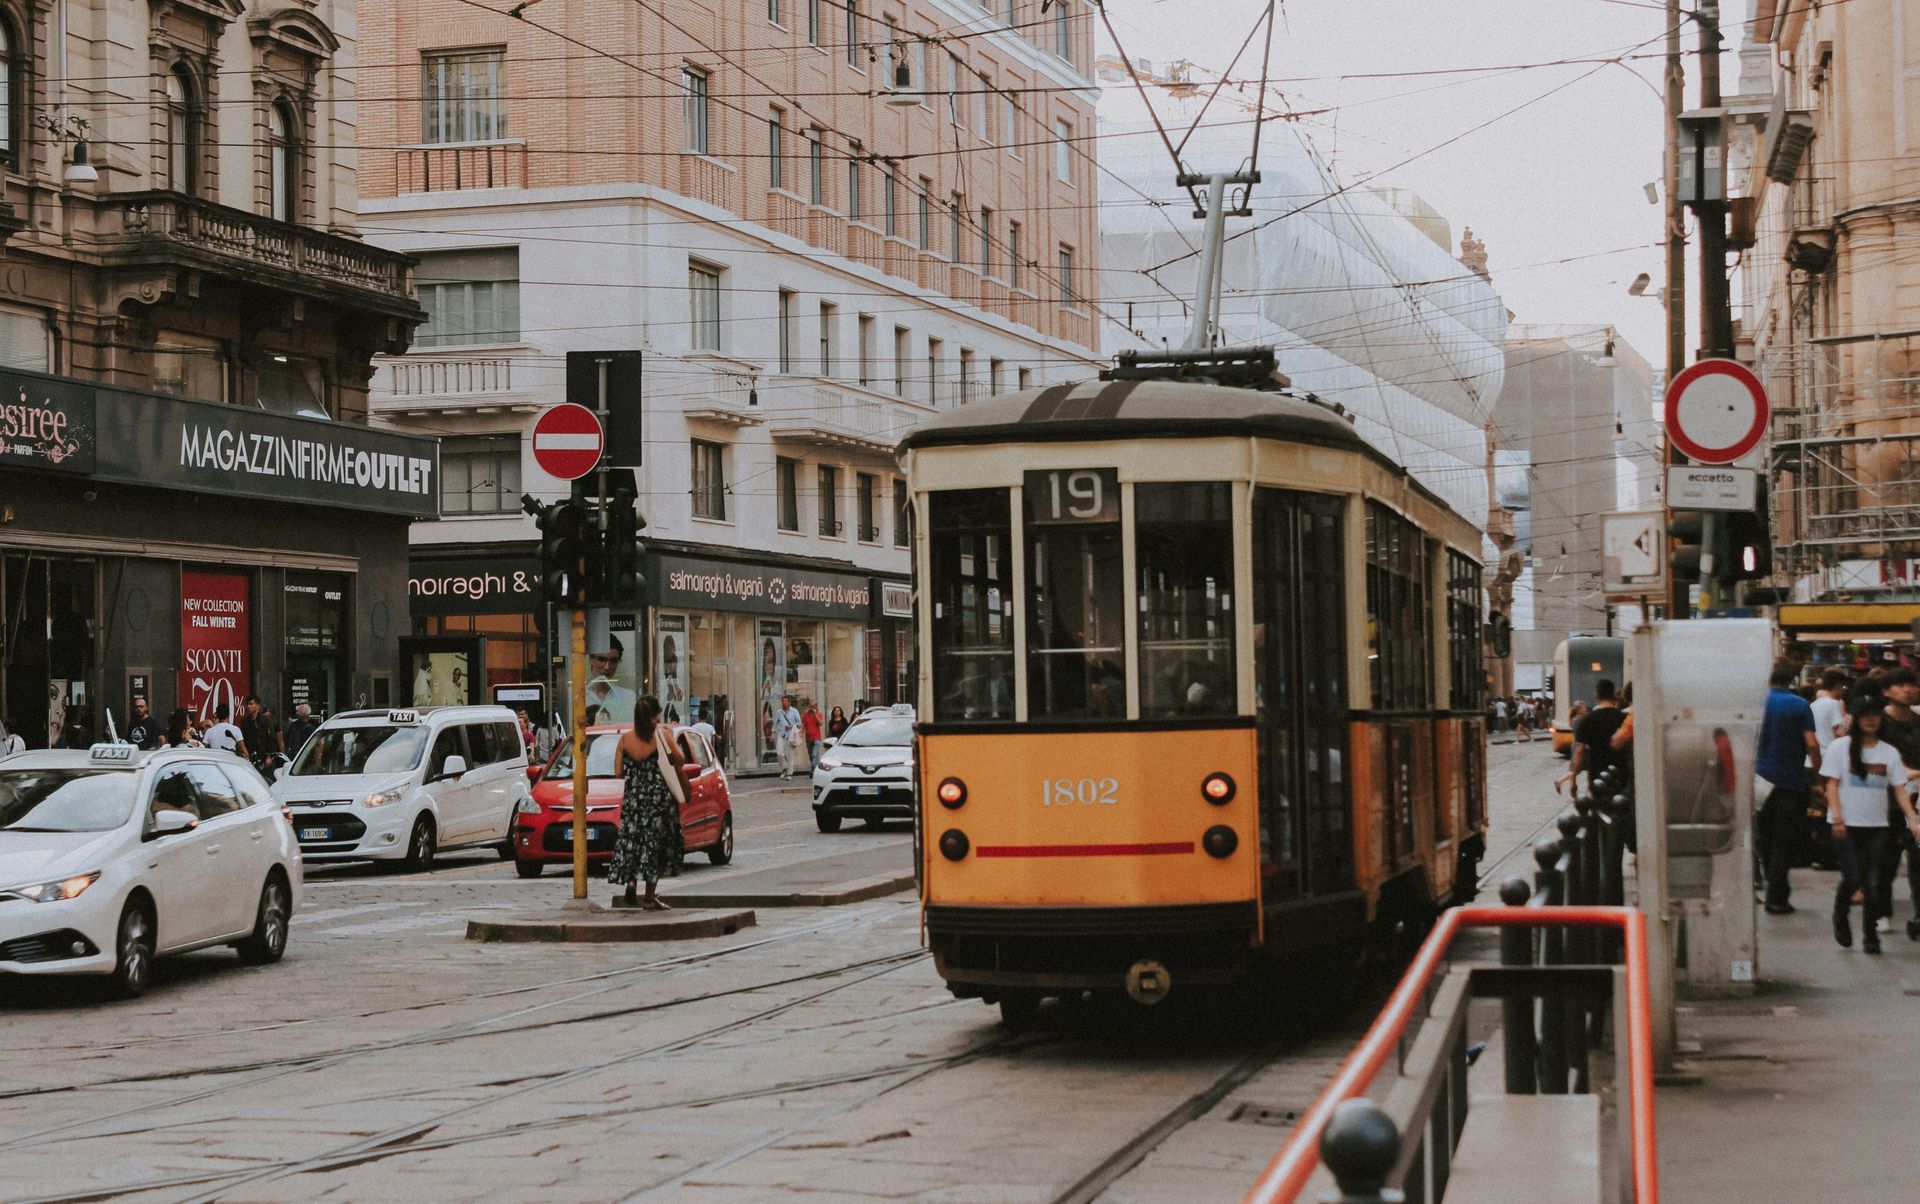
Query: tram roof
[(1092, 410)]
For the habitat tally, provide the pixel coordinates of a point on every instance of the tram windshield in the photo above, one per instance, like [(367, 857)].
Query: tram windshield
[(969, 544), (1183, 552), (1076, 607)]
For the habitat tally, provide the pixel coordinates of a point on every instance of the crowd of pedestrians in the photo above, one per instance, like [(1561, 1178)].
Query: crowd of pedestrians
[(1521, 714)]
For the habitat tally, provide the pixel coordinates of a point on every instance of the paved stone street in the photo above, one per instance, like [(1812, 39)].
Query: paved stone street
[(387, 1057)]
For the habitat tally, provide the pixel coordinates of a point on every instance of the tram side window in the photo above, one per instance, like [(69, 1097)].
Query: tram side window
[(1463, 633), (970, 547), (1183, 552), (1076, 613), (1399, 630)]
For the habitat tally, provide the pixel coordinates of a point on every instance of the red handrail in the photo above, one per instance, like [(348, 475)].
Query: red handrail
[(1288, 1173)]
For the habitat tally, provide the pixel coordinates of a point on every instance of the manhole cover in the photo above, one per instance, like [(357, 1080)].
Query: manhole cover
[(1274, 1116)]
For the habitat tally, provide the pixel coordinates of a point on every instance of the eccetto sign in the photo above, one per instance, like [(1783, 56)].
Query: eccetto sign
[(695, 583)]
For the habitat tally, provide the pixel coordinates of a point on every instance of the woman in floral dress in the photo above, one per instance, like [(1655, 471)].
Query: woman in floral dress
[(649, 846)]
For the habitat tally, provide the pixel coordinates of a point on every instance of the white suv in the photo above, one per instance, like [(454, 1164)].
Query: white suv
[(868, 772), (403, 784)]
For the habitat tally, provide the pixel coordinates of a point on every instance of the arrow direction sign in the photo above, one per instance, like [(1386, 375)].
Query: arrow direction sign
[(1633, 552)]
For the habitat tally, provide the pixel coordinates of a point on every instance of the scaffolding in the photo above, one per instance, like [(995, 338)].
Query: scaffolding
[(1846, 449)]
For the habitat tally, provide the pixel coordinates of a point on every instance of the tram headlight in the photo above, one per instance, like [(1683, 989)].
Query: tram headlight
[(951, 792), (954, 844), (1220, 841), (1218, 788)]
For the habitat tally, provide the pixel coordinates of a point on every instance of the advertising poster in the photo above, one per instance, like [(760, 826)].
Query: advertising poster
[(215, 636), (772, 676), (672, 659), (613, 674), (440, 679)]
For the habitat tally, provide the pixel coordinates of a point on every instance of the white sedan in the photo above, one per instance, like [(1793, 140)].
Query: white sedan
[(111, 857)]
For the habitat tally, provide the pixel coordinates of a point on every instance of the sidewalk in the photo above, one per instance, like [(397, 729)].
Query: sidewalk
[(1808, 1087)]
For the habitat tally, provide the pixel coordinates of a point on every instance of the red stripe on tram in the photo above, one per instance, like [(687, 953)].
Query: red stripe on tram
[(1084, 850)]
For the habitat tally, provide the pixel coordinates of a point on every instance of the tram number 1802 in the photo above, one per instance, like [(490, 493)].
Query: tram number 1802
[(1080, 792)]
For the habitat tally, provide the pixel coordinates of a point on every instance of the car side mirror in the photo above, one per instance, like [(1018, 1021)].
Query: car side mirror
[(279, 772), (172, 823), (829, 742), (453, 766), (533, 772)]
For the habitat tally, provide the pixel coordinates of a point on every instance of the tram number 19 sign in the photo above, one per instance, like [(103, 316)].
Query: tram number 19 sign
[(567, 440), (1716, 411), (1073, 495)]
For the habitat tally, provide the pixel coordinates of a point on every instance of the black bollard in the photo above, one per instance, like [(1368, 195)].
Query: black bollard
[(1549, 882), (1360, 1145), (1516, 1012)]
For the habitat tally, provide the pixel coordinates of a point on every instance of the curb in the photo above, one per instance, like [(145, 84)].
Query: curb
[(858, 891), (600, 927)]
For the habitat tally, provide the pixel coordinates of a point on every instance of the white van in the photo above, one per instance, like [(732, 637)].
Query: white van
[(403, 784)]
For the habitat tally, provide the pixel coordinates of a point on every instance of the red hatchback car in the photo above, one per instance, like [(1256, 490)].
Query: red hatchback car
[(543, 827)]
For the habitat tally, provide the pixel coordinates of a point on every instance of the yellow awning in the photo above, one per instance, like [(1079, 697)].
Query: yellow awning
[(1839, 620)]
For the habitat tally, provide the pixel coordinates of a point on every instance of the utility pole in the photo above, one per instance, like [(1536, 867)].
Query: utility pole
[(1716, 317), (1676, 295)]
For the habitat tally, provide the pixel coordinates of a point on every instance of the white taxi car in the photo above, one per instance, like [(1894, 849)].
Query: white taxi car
[(112, 856), (867, 773)]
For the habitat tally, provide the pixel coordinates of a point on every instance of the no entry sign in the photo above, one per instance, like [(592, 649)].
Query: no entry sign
[(1716, 411), (567, 441)]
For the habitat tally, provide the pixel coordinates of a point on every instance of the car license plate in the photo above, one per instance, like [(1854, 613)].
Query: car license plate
[(315, 833), (867, 791)]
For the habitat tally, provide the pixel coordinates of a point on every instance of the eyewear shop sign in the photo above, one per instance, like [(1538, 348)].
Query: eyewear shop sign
[(207, 447), (503, 585), (694, 584)]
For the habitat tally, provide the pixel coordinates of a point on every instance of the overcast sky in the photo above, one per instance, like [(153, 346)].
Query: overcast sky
[(1555, 187)]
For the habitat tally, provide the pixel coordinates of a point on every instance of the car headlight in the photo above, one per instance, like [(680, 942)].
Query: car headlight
[(527, 806), (54, 892), (381, 798), (830, 763)]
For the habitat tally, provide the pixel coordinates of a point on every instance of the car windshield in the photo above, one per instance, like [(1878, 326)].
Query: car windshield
[(355, 750), (887, 732), (599, 758), (64, 800)]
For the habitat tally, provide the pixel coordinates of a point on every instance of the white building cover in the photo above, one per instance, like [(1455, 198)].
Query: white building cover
[(1363, 308)]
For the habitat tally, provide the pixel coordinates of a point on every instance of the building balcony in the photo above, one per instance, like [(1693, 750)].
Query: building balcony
[(1810, 233), (842, 417), (729, 399), (424, 386), (170, 228), (459, 166)]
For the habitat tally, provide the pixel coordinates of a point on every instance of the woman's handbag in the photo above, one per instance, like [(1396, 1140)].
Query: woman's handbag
[(667, 768)]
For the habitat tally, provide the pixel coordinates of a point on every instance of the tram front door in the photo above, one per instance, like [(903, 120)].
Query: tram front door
[(1300, 684)]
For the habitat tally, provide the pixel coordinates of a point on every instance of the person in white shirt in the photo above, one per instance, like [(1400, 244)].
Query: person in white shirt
[(1861, 772), (1829, 708), (788, 736), (225, 736), (704, 727)]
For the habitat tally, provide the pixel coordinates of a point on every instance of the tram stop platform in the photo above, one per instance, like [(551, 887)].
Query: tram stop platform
[(1805, 1090), (593, 923)]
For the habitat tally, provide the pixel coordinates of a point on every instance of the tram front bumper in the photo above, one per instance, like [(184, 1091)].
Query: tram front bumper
[(977, 949)]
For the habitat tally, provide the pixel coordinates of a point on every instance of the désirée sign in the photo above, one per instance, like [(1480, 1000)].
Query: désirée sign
[(699, 584), (46, 424)]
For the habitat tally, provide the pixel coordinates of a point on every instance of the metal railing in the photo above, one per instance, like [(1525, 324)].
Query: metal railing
[(1558, 983), (416, 377), (259, 242)]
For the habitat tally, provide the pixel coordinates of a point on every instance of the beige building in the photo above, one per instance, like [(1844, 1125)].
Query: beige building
[(1830, 297), (809, 258)]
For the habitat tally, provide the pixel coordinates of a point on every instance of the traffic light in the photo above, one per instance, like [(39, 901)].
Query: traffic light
[(564, 545), (618, 581), (1685, 529), (1750, 541)]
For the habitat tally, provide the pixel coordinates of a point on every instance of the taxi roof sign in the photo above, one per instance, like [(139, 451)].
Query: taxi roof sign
[(112, 752), (403, 717)]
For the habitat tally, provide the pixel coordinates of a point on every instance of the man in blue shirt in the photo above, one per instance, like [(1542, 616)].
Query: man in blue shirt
[(1786, 740)]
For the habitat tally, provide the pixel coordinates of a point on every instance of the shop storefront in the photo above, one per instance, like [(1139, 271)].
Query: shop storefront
[(476, 613), (731, 637), (1857, 636), (192, 553)]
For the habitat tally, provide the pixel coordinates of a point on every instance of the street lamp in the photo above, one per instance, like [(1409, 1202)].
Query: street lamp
[(80, 168)]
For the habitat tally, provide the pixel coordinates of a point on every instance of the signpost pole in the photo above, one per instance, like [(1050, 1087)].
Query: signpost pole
[(579, 738)]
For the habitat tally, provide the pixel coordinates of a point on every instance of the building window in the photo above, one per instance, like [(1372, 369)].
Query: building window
[(853, 182), (996, 369), (786, 476), (480, 476), (982, 123), (1062, 32), (283, 164), (785, 321), (293, 385), (470, 297), (1012, 114), (813, 22), (953, 91), (868, 521), (1026, 379), (183, 133), (1066, 275), (921, 80), (891, 187), (1013, 254), (986, 241), (816, 170), (936, 356), (866, 351), (829, 318), (694, 84), (901, 341), (709, 480), (703, 299), (829, 501), (853, 33), (10, 106), (926, 214), (776, 151), (966, 375), (461, 97), (184, 365), (902, 514), (954, 242), (1063, 151), (773, 11)]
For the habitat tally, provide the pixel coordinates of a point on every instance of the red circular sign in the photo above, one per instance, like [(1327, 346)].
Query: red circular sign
[(566, 441), (1716, 411)]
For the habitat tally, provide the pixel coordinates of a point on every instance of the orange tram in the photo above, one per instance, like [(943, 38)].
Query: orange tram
[(1200, 684)]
